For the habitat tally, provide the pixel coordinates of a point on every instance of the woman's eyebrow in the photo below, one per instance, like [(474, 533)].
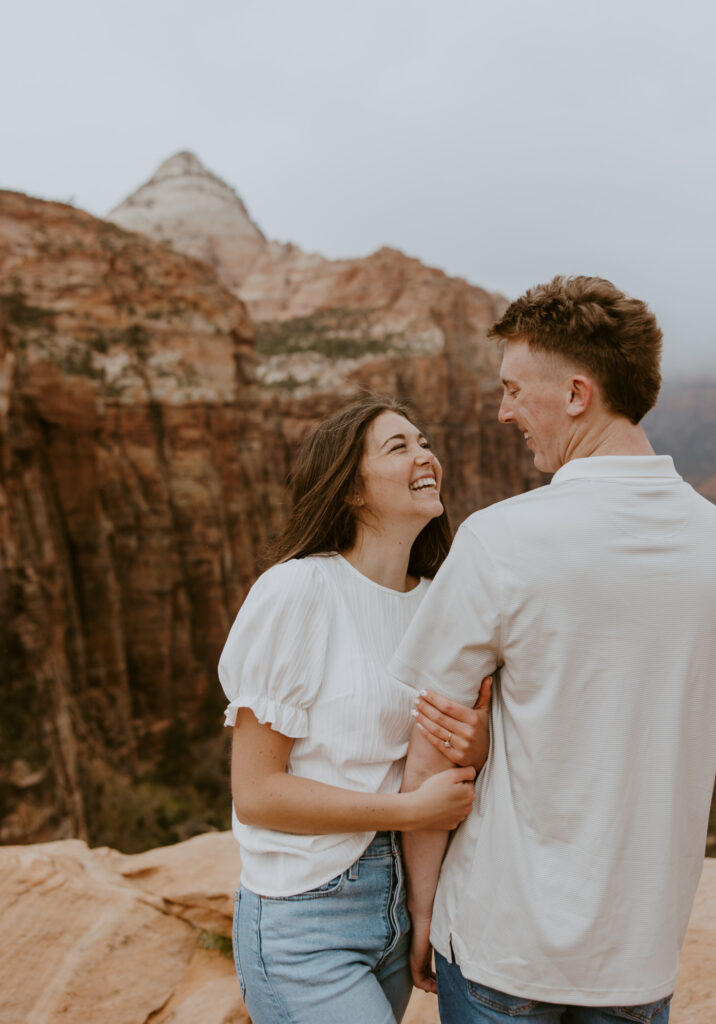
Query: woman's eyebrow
[(395, 437), (401, 437)]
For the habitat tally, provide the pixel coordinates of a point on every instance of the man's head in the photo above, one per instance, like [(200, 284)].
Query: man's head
[(579, 356)]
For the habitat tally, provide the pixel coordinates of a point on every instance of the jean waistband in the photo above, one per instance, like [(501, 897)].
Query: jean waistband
[(382, 843)]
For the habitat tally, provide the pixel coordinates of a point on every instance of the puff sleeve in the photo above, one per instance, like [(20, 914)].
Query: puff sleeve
[(274, 658)]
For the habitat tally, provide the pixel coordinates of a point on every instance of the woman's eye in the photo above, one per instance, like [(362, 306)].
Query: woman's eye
[(425, 444), (397, 447)]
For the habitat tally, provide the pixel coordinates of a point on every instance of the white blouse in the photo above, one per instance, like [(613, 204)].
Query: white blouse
[(309, 653)]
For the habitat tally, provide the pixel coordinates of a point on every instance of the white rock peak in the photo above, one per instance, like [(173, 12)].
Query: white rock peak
[(187, 206)]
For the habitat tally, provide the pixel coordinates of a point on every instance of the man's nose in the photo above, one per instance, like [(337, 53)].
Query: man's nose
[(504, 413)]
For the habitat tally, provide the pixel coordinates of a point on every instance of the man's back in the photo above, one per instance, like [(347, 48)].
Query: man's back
[(573, 877)]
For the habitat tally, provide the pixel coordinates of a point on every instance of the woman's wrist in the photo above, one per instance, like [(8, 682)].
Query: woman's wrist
[(409, 812)]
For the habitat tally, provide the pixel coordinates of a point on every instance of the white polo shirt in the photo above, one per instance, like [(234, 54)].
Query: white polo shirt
[(572, 879)]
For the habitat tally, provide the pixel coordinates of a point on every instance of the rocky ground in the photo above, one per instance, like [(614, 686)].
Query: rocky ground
[(93, 936)]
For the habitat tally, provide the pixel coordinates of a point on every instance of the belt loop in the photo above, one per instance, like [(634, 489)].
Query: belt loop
[(397, 859), (395, 843), (353, 871)]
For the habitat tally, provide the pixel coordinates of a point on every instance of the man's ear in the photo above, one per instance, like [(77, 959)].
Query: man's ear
[(581, 393)]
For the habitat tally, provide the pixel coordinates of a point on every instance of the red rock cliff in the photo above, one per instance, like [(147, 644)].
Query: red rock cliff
[(144, 447), (134, 500), (327, 327)]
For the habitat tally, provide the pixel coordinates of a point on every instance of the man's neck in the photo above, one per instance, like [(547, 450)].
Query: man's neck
[(616, 436)]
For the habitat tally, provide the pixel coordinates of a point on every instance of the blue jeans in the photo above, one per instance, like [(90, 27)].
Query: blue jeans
[(463, 1001), (337, 953)]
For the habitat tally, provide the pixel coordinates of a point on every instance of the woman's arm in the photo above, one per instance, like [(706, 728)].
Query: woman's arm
[(440, 719), (266, 795)]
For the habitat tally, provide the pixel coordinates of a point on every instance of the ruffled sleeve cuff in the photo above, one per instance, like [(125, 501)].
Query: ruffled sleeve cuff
[(287, 719)]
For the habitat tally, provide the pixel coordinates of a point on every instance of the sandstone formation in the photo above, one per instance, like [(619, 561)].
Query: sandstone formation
[(96, 936), (316, 317), (387, 322), (184, 200), (147, 430), (325, 328), (134, 502), (145, 443)]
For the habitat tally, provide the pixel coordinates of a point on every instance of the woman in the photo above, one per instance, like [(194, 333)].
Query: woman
[(321, 931)]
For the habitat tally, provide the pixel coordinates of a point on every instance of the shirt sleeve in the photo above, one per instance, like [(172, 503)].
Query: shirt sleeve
[(274, 658), (455, 638)]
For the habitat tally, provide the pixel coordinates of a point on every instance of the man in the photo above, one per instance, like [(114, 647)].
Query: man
[(566, 893)]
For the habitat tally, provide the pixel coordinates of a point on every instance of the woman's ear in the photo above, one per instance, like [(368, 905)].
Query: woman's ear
[(355, 495)]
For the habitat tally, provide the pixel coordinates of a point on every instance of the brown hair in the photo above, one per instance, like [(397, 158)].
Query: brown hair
[(588, 321), (325, 475)]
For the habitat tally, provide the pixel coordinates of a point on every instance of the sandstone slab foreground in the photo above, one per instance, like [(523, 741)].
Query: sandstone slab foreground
[(100, 937)]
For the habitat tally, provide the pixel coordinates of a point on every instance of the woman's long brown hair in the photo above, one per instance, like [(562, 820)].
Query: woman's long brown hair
[(327, 470)]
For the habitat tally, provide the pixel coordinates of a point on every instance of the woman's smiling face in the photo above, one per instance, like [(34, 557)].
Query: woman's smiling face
[(399, 475)]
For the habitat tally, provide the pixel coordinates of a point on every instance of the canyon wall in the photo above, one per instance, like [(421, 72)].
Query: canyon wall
[(134, 501), (146, 436), (325, 328), (153, 390)]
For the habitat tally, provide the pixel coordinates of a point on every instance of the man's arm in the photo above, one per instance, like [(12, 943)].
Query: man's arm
[(423, 850), (423, 853), (454, 640)]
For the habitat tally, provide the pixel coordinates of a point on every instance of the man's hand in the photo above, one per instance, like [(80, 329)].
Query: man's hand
[(466, 730), (421, 956)]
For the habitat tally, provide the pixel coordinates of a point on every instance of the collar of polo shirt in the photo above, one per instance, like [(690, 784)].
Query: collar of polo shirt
[(616, 466)]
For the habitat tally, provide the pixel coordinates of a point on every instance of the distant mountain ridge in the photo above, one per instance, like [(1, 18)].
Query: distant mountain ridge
[(683, 424)]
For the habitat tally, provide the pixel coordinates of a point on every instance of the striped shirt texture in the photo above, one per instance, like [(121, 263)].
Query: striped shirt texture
[(309, 653), (572, 879)]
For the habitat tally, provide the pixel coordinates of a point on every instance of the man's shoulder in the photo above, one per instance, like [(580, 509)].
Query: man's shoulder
[(503, 513), (704, 505)]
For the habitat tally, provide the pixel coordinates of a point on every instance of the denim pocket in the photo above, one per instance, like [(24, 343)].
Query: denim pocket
[(235, 944), (643, 1014), (325, 889), (511, 1006)]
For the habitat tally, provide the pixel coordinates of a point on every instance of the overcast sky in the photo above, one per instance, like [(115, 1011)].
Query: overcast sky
[(502, 140)]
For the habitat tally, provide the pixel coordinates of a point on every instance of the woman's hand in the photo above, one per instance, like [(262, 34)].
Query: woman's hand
[(461, 734), (443, 800)]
